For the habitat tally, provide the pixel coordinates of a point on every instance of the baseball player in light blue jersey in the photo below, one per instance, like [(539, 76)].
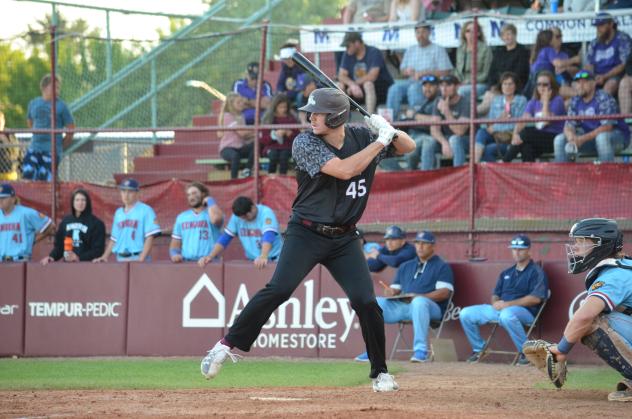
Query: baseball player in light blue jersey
[(258, 231), (133, 228), (20, 227), (604, 321), (197, 229)]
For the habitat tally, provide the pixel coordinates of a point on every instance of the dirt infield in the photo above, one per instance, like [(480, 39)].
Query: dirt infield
[(427, 390)]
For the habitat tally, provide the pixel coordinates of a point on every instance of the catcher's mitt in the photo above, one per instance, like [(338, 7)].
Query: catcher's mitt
[(539, 354)]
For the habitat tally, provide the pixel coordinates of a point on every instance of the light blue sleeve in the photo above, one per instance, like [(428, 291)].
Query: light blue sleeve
[(150, 222), (268, 220), (612, 287), (177, 228), (406, 61), (116, 231), (232, 229), (443, 60), (36, 220), (66, 116)]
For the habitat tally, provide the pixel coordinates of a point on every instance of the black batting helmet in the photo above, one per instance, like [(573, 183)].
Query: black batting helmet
[(606, 238), (330, 101)]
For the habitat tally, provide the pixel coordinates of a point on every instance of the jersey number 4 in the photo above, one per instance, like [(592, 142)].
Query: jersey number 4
[(356, 191)]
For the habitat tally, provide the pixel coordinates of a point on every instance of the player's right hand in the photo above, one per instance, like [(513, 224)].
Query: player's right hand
[(47, 260), (386, 135), (176, 258), (203, 261), (100, 259)]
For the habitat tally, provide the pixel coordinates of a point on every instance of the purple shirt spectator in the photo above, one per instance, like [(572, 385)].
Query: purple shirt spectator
[(544, 60), (241, 88), (556, 107), (604, 57), (288, 80), (601, 104)]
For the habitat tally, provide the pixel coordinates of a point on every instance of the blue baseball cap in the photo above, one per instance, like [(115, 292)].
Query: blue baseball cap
[(129, 184), (425, 236), (521, 241), (583, 75), (394, 232), (6, 190), (601, 18), (430, 78)]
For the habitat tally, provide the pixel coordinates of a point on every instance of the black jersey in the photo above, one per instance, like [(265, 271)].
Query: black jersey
[(325, 199)]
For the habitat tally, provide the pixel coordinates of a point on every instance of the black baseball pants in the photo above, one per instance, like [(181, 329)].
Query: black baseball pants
[(342, 256)]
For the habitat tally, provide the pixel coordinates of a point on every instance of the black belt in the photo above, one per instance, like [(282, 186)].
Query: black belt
[(128, 254), (628, 311), (326, 230), (12, 258)]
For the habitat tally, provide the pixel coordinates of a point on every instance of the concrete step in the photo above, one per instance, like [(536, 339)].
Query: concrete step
[(195, 136), (205, 120)]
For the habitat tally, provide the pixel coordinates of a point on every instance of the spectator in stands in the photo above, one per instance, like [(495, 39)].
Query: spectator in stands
[(426, 146), (530, 142), (424, 285), (420, 60), (9, 153), (363, 74), (625, 88), (580, 5), (366, 11), (20, 227), (395, 251), (258, 231), (492, 141), (277, 144), (608, 53), (511, 57), (247, 88), (463, 68), (290, 72), (451, 107), (547, 55), (133, 228), (197, 229), (235, 145), (519, 292), (605, 137), (305, 86), (406, 11), (84, 232), (38, 158)]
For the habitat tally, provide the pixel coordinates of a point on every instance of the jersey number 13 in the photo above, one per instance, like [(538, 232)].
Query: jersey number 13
[(356, 189)]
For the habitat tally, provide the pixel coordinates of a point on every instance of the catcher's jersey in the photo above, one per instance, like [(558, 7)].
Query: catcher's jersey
[(18, 230), (251, 232), (130, 228), (325, 199), (613, 285), (197, 233)]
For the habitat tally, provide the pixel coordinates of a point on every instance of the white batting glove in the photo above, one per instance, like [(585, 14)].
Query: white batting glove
[(369, 123), (386, 135), (379, 122)]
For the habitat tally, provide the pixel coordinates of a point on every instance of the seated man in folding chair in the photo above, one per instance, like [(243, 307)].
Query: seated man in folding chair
[(424, 285), (518, 294)]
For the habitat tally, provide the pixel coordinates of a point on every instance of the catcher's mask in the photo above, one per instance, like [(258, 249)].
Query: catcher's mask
[(592, 240), (329, 101)]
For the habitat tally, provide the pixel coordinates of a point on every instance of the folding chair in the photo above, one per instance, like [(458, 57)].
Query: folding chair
[(436, 326), (530, 326)]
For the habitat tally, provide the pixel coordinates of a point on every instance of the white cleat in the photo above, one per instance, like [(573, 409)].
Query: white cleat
[(384, 382), (213, 361)]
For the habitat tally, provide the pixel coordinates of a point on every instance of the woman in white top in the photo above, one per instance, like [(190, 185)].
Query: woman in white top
[(406, 11)]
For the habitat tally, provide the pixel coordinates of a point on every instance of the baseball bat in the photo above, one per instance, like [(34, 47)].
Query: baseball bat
[(322, 78)]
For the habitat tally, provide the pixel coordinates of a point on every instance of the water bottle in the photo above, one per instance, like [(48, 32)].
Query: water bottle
[(571, 151), (554, 4), (67, 247)]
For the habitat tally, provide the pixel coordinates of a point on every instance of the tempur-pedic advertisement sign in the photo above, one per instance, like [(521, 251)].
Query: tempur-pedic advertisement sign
[(184, 310)]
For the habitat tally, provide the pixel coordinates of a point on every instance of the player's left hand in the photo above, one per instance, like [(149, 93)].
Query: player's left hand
[(499, 305), (203, 261), (261, 262)]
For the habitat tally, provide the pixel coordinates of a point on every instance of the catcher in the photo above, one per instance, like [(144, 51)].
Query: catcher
[(604, 321)]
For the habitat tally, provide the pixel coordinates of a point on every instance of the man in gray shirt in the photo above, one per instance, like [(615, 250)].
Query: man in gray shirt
[(420, 60), (453, 139)]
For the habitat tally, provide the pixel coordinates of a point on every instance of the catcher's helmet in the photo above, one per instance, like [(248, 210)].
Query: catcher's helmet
[(330, 101), (604, 240)]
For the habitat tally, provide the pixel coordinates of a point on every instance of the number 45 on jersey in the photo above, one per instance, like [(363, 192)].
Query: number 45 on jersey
[(356, 191)]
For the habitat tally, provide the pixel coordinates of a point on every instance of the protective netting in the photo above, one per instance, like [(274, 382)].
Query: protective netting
[(118, 87)]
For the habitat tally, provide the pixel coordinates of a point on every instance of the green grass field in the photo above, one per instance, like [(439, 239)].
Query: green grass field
[(183, 373), (175, 373)]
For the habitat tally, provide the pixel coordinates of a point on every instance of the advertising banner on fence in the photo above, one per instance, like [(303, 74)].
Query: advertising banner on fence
[(576, 27), (77, 309), (11, 308)]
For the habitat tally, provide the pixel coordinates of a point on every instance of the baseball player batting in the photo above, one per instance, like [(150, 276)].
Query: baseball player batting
[(335, 167)]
